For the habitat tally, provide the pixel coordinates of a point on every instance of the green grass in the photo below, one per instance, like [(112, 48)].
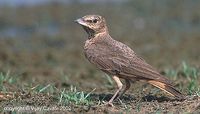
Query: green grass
[(189, 72), (74, 97), (47, 89), (6, 78), (193, 88), (191, 75)]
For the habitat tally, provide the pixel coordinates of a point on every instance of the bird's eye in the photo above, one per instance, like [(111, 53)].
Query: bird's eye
[(95, 21), (92, 21)]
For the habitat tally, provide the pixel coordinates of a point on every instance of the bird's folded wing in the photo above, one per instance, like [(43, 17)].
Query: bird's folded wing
[(130, 68)]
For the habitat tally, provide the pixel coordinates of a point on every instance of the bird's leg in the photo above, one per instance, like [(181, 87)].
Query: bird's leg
[(119, 85), (127, 86)]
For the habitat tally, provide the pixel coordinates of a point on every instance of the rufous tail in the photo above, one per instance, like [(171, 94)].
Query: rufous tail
[(167, 88)]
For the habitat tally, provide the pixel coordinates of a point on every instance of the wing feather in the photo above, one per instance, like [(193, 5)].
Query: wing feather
[(130, 68)]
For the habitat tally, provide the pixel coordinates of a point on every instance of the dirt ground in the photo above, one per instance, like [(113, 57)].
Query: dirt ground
[(35, 59)]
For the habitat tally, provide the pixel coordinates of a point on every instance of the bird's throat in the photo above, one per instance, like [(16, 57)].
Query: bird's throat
[(90, 32)]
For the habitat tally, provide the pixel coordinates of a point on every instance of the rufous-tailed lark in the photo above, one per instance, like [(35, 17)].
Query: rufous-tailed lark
[(118, 60)]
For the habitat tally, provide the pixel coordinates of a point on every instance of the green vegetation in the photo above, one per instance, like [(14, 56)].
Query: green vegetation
[(74, 97), (191, 76), (6, 79), (191, 73), (48, 89)]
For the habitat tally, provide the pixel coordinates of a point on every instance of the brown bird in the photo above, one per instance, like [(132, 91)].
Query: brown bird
[(118, 60)]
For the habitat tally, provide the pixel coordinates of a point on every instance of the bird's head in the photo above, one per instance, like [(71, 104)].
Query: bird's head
[(93, 24)]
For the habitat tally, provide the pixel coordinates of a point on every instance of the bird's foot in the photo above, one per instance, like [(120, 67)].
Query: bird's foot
[(110, 104)]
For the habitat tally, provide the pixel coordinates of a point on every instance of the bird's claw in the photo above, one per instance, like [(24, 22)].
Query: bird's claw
[(110, 104)]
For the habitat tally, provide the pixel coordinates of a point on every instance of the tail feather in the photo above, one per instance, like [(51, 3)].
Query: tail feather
[(167, 88)]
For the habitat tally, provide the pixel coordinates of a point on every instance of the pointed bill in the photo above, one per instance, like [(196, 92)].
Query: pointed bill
[(80, 21)]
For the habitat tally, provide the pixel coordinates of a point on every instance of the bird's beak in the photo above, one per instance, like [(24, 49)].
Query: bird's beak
[(80, 21)]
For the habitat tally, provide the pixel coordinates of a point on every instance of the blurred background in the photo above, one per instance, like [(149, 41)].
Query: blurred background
[(40, 41)]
